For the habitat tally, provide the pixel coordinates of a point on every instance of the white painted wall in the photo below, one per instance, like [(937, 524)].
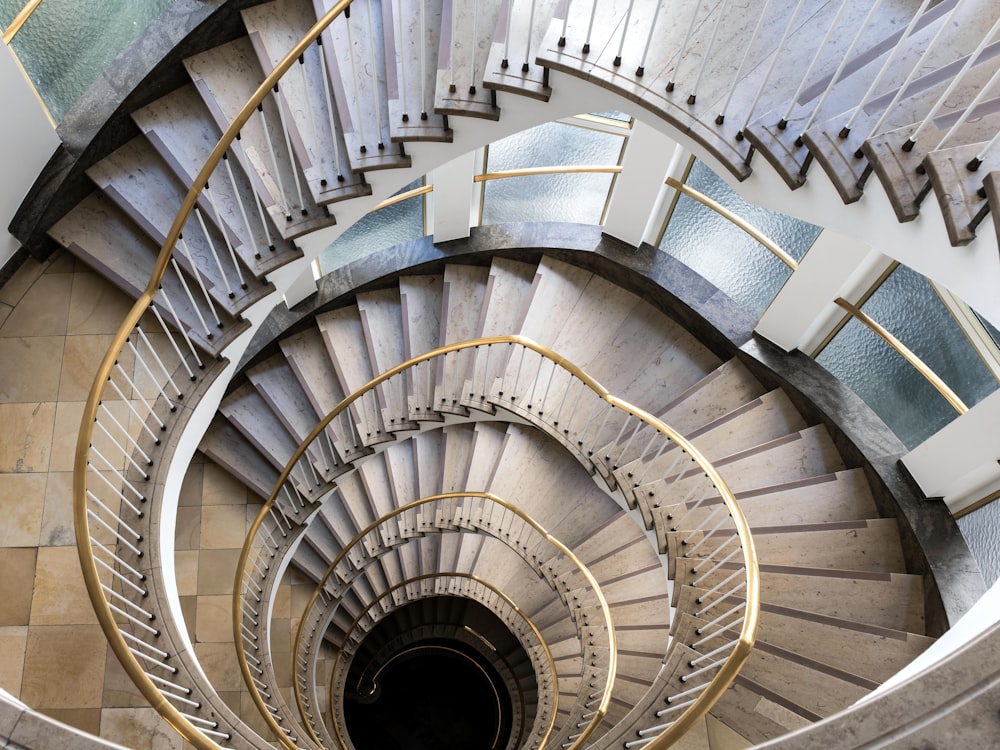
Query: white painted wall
[(27, 140)]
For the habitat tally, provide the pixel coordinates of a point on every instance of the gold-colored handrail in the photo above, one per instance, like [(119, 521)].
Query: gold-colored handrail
[(769, 244), (906, 353), (563, 549), (485, 584), (89, 567), (23, 15), (400, 197), (726, 674), (533, 171)]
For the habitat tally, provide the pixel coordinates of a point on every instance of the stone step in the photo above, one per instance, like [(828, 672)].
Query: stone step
[(226, 77), (959, 189), (136, 180), (355, 56), (182, 131), (230, 450), (462, 58), (511, 65), (250, 414), (381, 323), (807, 453), (462, 302), (96, 230), (274, 28), (867, 545), (420, 306), (507, 291)]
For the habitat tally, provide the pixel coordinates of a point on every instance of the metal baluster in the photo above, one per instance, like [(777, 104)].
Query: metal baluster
[(621, 42), (141, 360), (122, 579), (976, 162), (242, 208), (225, 235), (128, 437), (111, 467), (473, 49), (770, 68), (527, 38), (912, 140), (969, 110), (398, 18), (152, 351), (142, 422), (108, 590), (215, 255), (375, 87), (292, 161), (945, 24), (783, 122), (721, 117), (285, 203), (679, 57), (201, 285), (173, 342), (505, 63), (96, 518), (708, 51), (180, 326), (565, 26), (97, 545), (354, 77), (329, 109), (309, 112), (590, 27), (641, 70), (722, 598)]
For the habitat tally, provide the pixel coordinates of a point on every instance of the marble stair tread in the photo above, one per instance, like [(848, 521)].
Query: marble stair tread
[(225, 445), (343, 335), (756, 714), (869, 545), (136, 180), (252, 417), (274, 28), (896, 168), (837, 150), (462, 56), (487, 448), (840, 496), (355, 58), (457, 447), (382, 326), (511, 65), (96, 230), (782, 147), (420, 304), (725, 388), (182, 131), (991, 185), (507, 290), (462, 301), (226, 77), (412, 45), (959, 190), (886, 600), (807, 453), (555, 291)]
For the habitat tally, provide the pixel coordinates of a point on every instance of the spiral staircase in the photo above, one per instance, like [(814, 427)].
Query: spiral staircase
[(505, 431)]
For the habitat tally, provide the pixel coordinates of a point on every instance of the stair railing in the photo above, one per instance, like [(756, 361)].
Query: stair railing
[(467, 586), (134, 403), (631, 450), (472, 512)]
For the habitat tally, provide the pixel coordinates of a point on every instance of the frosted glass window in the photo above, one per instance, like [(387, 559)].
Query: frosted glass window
[(578, 197), (981, 529), (991, 329), (909, 308), (400, 222), (725, 255), (66, 44), (554, 144), (9, 10), (614, 115)]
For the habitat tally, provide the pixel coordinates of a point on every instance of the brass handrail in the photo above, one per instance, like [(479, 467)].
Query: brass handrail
[(906, 353), (563, 549), (773, 247), (533, 171), (400, 197), (22, 15), (726, 674), (486, 584), (87, 562)]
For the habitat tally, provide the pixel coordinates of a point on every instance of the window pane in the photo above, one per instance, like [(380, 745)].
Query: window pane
[(8, 10), (981, 529), (400, 222), (725, 255), (932, 334), (578, 197), (901, 396), (991, 329), (66, 44), (554, 145)]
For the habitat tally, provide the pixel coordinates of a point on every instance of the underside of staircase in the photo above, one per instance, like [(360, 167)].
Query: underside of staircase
[(847, 597)]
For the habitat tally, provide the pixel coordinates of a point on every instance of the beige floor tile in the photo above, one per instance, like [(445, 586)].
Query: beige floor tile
[(186, 572), (221, 488), (81, 357), (5, 311), (191, 487), (18, 566), (44, 308), (85, 719), (119, 690), (57, 516), (223, 526), (21, 281), (187, 534), (217, 571), (220, 665), (27, 436), (215, 619), (60, 596), (65, 430), (140, 729), (64, 667), (95, 305), (189, 611), (282, 606), (22, 498), (30, 368), (61, 261), (13, 642)]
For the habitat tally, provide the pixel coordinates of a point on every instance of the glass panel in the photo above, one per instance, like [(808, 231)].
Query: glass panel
[(908, 306), (576, 197), (728, 257), (8, 10), (66, 44), (554, 145), (981, 529), (900, 395), (386, 227), (614, 115), (991, 329)]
